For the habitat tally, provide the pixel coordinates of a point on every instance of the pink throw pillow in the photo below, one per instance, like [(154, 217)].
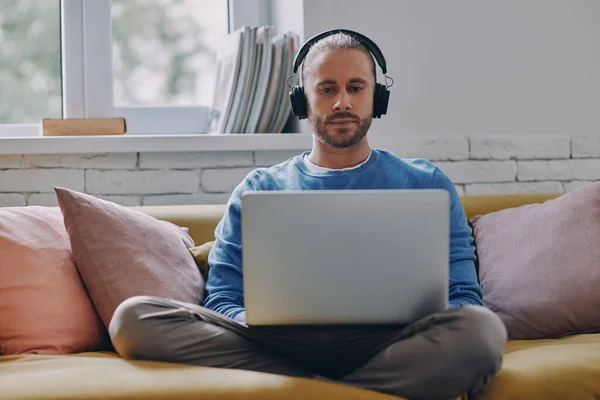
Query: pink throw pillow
[(44, 308), (121, 253), (539, 265)]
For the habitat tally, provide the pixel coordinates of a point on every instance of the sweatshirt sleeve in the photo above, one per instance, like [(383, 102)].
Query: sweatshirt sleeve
[(464, 288), (224, 286)]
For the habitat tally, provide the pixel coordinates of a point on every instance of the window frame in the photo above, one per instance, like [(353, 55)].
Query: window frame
[(87, 79)]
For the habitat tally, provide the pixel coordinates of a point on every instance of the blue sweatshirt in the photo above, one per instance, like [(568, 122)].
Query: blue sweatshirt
[(383, 170)]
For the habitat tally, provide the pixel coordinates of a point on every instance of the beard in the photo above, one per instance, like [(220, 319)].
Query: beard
[(342, 137)]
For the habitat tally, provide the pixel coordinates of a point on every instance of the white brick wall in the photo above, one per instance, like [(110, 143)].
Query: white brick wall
[(460, 189), (49, 200), (570, 186), (477, 165), (12, 200), (430, 148), (479, 171), (196, 198), (559, 170), (12, 161), (142, 182), (514, 187), (42, 199), (81, 161), (223, 180), (584, 147), (270, 158), (520, 147), (196, 160), (40, 180)]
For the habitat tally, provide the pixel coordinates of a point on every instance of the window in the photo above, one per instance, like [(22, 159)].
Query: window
[(170, 44), (30, 70), (149, 61)]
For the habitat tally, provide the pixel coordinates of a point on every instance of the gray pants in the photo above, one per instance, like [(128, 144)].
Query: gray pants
[(439, 357)]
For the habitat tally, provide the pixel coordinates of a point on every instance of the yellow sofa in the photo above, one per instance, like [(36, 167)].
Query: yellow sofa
[(566, 368)]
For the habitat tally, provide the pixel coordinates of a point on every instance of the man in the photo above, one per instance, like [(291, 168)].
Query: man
[(440, 356)]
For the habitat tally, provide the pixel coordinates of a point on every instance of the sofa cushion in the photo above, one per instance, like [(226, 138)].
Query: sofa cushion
[(44, 307), (539, 265), (106, 376), (551, 369), (122, 253), (200, 254)]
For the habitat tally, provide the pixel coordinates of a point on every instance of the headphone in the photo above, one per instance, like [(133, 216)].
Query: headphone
[(381, 96)]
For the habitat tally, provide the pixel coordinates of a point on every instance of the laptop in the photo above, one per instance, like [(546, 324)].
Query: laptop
[(344, 257)]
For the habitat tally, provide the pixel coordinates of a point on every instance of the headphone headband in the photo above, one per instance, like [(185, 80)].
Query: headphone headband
[(365, 41)]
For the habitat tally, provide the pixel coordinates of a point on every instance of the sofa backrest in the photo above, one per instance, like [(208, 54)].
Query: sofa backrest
[(485, 204), (202, 220)]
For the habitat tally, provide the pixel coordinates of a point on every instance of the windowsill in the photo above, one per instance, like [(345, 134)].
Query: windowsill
[(154, 143)]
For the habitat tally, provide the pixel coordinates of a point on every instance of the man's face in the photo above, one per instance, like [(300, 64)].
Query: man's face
[(339, 87)]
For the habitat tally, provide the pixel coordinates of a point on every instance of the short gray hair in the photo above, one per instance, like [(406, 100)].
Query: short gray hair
[(337, 41)]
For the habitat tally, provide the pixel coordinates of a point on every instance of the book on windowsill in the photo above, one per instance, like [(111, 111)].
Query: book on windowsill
[(83, 126)]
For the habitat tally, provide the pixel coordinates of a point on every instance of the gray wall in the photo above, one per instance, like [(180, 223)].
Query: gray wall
[(473, 67)]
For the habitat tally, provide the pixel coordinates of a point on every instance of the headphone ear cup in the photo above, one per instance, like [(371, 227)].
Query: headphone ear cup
[(298, 101), (380, 100)]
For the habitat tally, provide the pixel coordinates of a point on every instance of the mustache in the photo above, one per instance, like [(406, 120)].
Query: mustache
[(342, 115)]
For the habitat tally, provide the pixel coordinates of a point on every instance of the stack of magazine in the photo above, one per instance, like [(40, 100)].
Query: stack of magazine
[(251, 92)]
